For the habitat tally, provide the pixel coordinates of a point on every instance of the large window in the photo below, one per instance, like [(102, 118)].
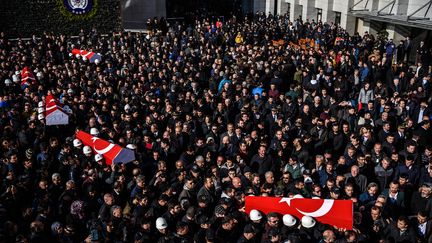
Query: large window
[(337, 18), (319, 14)]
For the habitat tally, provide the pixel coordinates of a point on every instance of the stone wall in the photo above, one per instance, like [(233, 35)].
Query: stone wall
[(26, 17)]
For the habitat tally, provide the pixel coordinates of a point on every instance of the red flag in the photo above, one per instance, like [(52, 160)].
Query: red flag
[(360, 106), (112, 153), (54, 113), (91, 56), (338, 213), (27, 77)]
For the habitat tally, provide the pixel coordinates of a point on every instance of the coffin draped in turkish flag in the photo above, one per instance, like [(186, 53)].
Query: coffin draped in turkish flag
[(338, 213), (27, 77), (112, 153), (91, 56), (55, 115)]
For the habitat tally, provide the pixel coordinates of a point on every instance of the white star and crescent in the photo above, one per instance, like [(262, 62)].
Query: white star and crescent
[(323, 210), (101, 151)]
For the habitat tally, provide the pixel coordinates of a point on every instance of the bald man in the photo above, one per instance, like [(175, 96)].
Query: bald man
[(329, 236)]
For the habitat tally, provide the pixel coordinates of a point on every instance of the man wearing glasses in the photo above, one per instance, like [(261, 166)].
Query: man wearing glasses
[(272, 223)]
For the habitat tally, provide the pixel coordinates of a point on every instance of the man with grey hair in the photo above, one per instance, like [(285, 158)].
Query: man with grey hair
[(357, 179), (56, 188)]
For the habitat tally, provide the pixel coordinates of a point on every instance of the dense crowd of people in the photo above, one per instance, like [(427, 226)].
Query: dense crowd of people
[(216, 111)]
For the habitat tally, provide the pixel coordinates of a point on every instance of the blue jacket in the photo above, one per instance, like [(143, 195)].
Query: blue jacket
[(324, 176), (365, 198), (413, 173), (364, 73)]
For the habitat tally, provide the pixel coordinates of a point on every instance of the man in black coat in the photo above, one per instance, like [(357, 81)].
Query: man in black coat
[(249, 233), (400, 231), (422, 225), (261, 162), (421, 199)]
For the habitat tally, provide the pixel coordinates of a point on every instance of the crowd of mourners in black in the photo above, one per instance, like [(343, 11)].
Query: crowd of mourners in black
[(217, 111)]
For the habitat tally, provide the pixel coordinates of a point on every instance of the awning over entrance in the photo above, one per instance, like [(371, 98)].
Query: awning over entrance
[(393, 19)]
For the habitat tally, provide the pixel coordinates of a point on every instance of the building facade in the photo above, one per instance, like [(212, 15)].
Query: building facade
[(401, 18)]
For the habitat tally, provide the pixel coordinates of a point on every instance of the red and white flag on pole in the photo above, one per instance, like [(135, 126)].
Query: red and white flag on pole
[(338, 213), (91, 56), (112, 153), (27, 77)]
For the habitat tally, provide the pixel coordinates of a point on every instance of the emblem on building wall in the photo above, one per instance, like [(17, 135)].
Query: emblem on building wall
[(78, 6)]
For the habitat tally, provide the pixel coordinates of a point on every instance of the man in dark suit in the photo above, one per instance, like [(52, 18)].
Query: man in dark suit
[(423, 133), (422, 225), (400, 52), (400, 231), (421, 111), (407, 47), (421, 52), (395, 199)]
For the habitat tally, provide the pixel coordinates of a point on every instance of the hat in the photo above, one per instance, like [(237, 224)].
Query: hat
[(247, 169), (8, 81), (29, 153), (40, 104), (226, 201), (195, 169), (131, 146), (289, 220), (202, 219), (255, 215), (203, 199), (98, 157), (41, 110), (210, 139), (127, 107), (77, 209), (161, 223), (55, 226), (41, 116), (308, 222), (219, 209), (249, 229), (87, 150), (94, 131), (164, 197), (336, 190), (15, 78), (427, 184), (77, 142), (181, 224)]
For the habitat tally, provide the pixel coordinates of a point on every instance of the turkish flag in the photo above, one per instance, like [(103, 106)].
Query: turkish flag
[(112, 153), (54, 113), (338, 213), (91, 56), (27, 77)]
